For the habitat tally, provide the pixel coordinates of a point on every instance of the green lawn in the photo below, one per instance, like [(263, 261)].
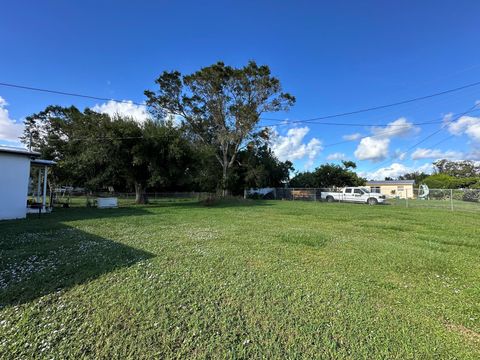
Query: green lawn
[(271, 279), (446, 204)]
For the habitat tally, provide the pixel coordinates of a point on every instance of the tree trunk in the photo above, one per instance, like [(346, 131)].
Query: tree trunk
[(224, 180), (140, 197)]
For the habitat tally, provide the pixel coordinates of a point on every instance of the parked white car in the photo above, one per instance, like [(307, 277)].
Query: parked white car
[(354, 194)]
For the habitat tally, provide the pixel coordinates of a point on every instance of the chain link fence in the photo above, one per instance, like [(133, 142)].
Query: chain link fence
[(81, 198), (304, 194), (451, 199)]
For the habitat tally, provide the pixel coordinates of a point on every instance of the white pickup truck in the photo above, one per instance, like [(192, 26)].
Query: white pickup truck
[(354, 194)]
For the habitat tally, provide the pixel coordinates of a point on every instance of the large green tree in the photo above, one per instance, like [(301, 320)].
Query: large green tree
[(417, 176), (459, 169), (96, 151), (221, 105), (258, 167), (329, 175)]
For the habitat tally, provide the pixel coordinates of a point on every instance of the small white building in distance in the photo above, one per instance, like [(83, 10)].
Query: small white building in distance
[(393, 188), (15, 165)]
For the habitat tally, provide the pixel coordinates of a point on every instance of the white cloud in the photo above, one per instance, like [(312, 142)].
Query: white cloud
[(10, 130), (352, 137), (474, 154), (399, 127), (422, 153), (128, 108), (292, 147), (395, 170), (468, 125), (337, 156), (372, 149), (376, 147)]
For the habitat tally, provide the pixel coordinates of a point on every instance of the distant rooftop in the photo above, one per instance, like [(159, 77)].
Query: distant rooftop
[(391, 182), (18, 151)]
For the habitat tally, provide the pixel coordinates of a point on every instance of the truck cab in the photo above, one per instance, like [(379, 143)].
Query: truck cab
[(354, 194)]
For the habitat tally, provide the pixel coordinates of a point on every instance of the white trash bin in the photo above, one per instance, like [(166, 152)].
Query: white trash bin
[(105, 203)]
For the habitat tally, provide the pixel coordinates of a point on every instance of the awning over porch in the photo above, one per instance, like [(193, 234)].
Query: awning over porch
[(40, 196)]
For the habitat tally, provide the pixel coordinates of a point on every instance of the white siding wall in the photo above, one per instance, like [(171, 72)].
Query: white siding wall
[(14, 175)]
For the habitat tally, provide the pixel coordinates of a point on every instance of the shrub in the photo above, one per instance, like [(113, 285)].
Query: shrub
[(269, 196), (439, 181), (472, 195), (209, 200), (439, 194), (258, 196), (458, 194), (444, 181)]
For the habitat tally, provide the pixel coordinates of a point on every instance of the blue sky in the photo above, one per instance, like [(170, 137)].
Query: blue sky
[(333, 56)]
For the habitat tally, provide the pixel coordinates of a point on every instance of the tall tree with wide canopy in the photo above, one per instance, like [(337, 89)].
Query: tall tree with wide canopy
[(221, 105), (96, 150)]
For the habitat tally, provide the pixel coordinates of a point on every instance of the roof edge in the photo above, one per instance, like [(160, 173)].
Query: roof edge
[(18, 151)]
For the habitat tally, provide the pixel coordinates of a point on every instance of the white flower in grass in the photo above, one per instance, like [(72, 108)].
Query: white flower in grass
[(246, 342)]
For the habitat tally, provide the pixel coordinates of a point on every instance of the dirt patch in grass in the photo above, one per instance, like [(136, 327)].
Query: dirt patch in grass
[(465, 332)]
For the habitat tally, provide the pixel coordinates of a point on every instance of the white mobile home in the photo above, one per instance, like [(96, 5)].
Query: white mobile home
[(15, 165)]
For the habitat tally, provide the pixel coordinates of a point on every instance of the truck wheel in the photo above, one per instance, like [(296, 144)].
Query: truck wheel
[(330, 199), (372, 201)]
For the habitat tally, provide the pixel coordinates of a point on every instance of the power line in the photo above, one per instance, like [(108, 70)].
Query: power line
[(312, 120), (139, 104), (377, 125), (442, 141), (68, 94), (379, 134), (453, 118), (382, 106), (389, 132)]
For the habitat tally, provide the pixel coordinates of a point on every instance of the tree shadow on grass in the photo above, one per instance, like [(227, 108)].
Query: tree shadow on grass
[(41, 256), (220, 203)]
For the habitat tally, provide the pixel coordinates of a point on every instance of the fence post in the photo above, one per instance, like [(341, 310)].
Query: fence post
[(451, 199), (406, 198)]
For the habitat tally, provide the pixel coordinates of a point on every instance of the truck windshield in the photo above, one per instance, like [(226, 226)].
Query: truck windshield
[(365, 190)]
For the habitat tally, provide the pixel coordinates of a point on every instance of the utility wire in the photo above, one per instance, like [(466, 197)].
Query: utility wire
[(383, 106), (68, 93), (379, 134), (356, 124), (453, 118), (390, 132), (31, 88), (442, 141)]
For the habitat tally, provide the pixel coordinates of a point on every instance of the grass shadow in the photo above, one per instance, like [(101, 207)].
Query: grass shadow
[(217, 203), (41, 256)]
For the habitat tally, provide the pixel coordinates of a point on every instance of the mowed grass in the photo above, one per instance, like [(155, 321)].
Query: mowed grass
[(256, 279)]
